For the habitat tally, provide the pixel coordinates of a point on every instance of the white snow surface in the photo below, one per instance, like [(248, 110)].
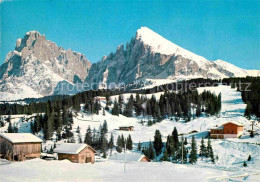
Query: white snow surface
[(129, 157), (41, 170), (161, 45), (70, 148), (20, 137)]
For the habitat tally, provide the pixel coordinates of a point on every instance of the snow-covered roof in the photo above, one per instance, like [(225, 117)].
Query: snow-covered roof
[(238, 124), (70, 148), (129, 157), (21, 137), (216, 128)]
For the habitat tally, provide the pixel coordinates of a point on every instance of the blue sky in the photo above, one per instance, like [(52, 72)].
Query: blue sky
[(220, 29)]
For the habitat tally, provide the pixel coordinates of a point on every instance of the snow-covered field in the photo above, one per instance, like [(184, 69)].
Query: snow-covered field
[(41, 170), (231, 152)]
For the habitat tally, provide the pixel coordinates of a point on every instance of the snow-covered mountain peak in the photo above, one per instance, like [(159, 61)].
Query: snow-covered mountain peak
[(159, 44)]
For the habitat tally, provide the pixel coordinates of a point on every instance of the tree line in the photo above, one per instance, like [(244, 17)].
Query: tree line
[(184, 105)]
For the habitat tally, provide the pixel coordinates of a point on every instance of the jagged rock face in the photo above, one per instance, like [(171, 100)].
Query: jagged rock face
[(37, 65), (150, 56)]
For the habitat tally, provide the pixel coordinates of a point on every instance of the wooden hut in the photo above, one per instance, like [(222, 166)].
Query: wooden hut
[(19, 146), (126, 128), (75, 152), (129, 157)]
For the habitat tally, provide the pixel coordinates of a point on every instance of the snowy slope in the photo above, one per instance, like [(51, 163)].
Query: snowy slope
[(238, 72), (159, 44)]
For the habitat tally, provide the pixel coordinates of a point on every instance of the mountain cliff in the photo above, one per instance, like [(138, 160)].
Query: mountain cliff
[(37, 66), (150, 56)]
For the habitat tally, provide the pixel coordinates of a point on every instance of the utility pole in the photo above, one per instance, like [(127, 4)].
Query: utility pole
[(125, 159), (252, 125), (182, 151)]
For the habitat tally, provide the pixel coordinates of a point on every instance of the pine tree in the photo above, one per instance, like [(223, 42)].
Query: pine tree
[(104, 127), (119, 144), (248, 111), (210, 152), (244, 164), (88, 137), (193, 153), (65, 116), (249, 158), (104, 146), (79, 138), (198, 110), (170, 146), (50, 124), (111, 142), (185, 141), (59, 121), (123, 142), (10, 128), (175, 138), (129, 143), (78, 129), (121, 102), (37, 123), (251, 134), (104, 113), (157, 142), (139, 146), (151, 151), (203, 149), (51, 150), (165, 156), (115, 110)]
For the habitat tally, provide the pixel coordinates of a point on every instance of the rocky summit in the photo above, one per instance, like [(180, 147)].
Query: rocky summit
[(37, 66)]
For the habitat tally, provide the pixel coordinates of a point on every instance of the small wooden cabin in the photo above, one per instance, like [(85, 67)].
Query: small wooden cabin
[(126, 128), (19, 146), (75, 152), (129, 157)]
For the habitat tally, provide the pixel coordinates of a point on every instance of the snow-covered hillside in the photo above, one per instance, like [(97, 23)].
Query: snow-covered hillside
[(231, 152)]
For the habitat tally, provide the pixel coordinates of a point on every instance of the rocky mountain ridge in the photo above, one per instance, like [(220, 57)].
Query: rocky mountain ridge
[(38, 67)]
